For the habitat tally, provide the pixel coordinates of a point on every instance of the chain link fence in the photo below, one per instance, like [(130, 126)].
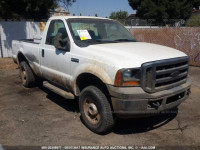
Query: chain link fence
[(183, 39), (175, 35)]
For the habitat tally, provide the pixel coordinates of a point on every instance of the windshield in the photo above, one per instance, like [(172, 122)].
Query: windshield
[(98, 31)]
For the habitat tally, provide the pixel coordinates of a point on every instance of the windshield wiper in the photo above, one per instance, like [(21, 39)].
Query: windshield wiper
[(124, 40), (91, 42), (100, 41)]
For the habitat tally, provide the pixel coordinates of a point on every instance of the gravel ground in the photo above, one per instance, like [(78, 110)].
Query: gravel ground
[(38, 117)]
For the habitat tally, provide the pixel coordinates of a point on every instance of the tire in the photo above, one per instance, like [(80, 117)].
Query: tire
[(95, 110), (26, 75)]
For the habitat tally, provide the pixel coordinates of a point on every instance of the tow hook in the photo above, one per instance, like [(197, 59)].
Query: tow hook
[(188, 92), (155, 104)]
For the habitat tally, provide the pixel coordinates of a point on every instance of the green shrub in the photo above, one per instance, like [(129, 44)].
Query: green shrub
[(194, 21)]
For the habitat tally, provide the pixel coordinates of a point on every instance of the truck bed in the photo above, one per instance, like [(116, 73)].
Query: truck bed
[(28, 48), (28, 41)]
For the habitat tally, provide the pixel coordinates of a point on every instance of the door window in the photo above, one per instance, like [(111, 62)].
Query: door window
[(55, 27)]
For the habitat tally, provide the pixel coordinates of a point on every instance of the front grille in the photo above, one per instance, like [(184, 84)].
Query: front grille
[(165, 74)]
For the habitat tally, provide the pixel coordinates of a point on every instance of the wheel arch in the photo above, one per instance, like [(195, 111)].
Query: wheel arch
[(21, 57), (87, 79)]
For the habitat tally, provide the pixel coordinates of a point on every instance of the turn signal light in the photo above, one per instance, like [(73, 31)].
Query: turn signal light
[(119, 81), (131, 83), (118, 78)]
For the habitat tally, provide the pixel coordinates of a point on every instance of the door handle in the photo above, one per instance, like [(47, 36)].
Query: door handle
[(42, 52)]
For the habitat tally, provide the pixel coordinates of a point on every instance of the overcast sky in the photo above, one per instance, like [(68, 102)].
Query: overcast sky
[(102, 7)]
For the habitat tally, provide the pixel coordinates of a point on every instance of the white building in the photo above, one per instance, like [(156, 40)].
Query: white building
[(59, 11)]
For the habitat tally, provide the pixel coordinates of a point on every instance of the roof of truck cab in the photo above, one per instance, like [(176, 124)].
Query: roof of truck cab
[(71, 17)]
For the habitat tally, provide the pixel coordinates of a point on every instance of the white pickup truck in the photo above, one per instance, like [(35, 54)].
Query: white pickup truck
[(98, 61)]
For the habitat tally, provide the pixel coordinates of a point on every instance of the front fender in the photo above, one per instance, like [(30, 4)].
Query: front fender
[(95, 70)]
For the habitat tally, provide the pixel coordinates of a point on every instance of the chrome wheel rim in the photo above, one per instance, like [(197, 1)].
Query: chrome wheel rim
[(91, 111)]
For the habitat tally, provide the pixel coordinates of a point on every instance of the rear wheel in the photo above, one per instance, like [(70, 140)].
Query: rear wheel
[(26, 75), (95, 110)]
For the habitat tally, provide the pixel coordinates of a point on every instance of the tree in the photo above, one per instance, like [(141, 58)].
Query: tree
[(25, 9), (164, 9), (66, 3), (28, 9), (195, 3), (194, 21), (119, 15)]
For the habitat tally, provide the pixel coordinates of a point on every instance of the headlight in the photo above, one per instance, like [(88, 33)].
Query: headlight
[(128, 77)]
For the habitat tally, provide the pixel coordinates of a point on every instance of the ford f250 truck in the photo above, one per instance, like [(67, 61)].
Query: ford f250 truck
[(98, 61)]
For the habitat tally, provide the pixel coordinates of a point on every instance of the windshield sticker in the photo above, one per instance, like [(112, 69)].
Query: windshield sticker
[(84, 34)]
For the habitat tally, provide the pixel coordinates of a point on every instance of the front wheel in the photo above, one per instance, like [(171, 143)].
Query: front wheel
[(95, 110)]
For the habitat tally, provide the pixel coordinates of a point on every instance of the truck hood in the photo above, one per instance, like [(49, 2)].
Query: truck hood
[(132, 54)]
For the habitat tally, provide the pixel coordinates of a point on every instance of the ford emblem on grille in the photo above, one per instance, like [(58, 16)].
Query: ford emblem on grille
[(175, 74)]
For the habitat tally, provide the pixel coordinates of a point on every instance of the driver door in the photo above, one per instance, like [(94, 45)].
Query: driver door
[(55, 63)]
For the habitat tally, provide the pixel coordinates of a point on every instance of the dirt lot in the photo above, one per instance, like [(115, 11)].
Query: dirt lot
[(37, 117)]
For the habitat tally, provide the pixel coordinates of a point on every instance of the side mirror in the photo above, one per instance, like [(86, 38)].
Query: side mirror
[(61, 44)]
